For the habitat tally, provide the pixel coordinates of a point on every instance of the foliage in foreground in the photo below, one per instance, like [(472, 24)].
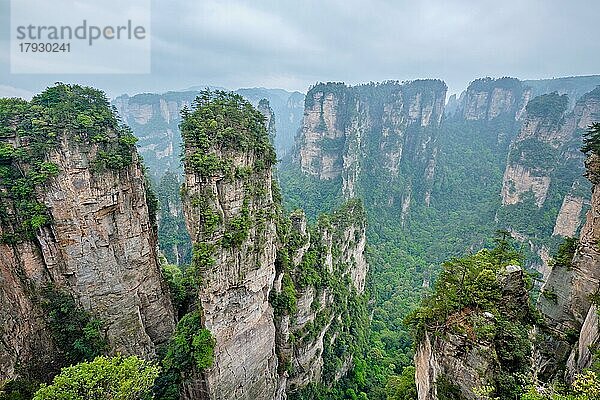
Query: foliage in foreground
[(585, 387), (467, 288), (465, 283), (114, 378)]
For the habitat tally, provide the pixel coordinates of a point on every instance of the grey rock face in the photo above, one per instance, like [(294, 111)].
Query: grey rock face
[(486, 99), (391, 125), (456, 360), (570, 311), (262, 352), (100, 248), (545, 165), (315, 323), (265, 109), (154, 118), (234, 294)]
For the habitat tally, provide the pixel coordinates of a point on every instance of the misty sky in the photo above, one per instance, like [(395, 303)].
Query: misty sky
[(293, 44)]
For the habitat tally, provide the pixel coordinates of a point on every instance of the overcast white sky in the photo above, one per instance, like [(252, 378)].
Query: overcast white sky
[(293, 44)]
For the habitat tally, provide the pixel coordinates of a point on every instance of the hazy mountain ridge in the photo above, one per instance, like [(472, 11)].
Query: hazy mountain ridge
[(155, 120)]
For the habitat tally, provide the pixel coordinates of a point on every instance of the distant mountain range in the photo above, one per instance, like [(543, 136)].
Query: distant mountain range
[(155, 118)]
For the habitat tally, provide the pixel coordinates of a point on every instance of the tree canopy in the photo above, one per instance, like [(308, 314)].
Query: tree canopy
[(104, 378)]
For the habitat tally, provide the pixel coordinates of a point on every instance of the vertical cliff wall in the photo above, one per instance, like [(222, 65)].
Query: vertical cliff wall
[(320, 310), (574, 86), (357, 134), (75, 217), (229, 211), (567, 301), (576, 308), (154, 118), (486, 99), (544, 194), (265, 109), (277, 296)]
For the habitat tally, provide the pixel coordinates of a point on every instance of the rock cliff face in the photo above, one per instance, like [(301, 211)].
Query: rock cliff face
[(154, 118), (571, 317), (574, 87), (322, 139), (249, 267), (288, 108), (542, 136), (265, 109), (93, 235), (543, 195), (486, 99), (392, 126), (327, 271), (569, 216), (463, 359), (490, 155), (229, 213), (543, 184)]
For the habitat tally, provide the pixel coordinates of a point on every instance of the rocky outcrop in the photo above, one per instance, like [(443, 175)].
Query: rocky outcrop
[(325, 271), (569, 216), (265, 109), (486, 99), (322, 137), (107, 246), (453, 360), (542, 185), (574, 310), (229, 214), (535, 150), (583, 352), (570, 314), (462, 359), (275, 297), (94, 238), (154, 118), (519, 180), (390, 126)]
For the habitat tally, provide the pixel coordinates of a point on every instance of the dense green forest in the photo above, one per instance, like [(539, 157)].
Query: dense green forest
[(439, 259), (403, 258), (464, 212)]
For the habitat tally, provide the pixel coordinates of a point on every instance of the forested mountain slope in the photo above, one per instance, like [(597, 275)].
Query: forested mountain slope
[(437, 185), (268, 307), (479, 336)]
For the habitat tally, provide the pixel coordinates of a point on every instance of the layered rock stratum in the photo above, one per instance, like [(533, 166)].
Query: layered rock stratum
[(75, 217)]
